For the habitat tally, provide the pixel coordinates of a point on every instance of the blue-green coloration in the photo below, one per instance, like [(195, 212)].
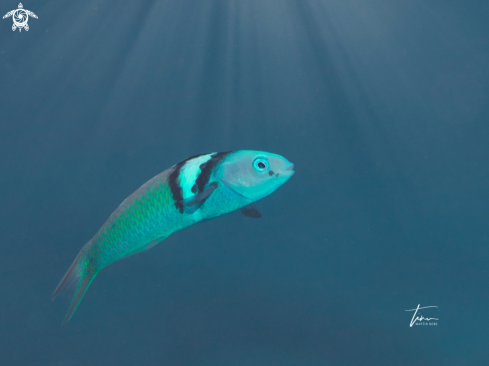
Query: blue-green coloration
[(199, 188)]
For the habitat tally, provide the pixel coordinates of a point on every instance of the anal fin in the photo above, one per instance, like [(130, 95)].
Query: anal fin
[(151, 244)]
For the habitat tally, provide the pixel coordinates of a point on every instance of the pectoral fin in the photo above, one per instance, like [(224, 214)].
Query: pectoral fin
[(192, 204), (250, 211)]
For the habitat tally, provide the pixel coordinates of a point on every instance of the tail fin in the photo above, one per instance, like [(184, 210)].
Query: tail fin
[(76, 280)]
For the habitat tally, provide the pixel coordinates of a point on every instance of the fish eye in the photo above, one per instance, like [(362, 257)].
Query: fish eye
[(260, 164)]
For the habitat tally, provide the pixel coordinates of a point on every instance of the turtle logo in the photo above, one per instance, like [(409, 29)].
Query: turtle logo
[(20, 17)]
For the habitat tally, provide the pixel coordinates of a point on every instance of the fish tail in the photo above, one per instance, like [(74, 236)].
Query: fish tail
[(79, 276)]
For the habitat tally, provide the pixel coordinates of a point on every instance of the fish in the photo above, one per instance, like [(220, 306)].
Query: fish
[(197, 189)]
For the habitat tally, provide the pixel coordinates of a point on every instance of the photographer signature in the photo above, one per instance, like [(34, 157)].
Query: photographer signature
[(420, 318)]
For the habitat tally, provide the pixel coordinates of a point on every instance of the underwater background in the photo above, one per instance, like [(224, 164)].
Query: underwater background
[(382, 106)]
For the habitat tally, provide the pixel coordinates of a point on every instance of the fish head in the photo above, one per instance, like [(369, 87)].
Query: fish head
[(254, 174)]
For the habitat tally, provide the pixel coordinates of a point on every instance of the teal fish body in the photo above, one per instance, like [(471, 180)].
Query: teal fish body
[(197, 189)]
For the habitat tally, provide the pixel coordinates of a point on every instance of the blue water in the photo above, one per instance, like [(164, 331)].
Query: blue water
[(381, 105)]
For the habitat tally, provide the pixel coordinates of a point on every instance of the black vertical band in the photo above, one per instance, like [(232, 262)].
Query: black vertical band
[(207, 167), (174, 182), (201, 181)]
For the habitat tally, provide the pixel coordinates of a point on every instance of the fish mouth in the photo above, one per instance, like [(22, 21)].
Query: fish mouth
[(287, 172)]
